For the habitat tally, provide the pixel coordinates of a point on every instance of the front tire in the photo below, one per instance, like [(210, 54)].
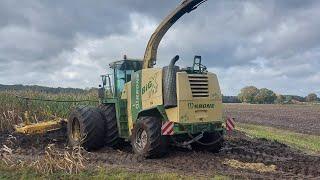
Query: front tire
[(146, 139), (86, 128)]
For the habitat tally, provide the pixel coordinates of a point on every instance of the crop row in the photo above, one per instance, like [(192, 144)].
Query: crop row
[(14, 110)]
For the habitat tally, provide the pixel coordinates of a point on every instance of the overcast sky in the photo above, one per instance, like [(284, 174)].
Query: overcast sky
[(273, 44)]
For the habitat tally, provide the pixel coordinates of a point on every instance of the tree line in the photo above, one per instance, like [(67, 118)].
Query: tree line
[(249, 94), (44, 89), (253, 95)]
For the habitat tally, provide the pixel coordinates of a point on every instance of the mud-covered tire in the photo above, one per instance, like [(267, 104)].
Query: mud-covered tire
[(212, 142), (86, 128), (155, 145), (111, 127)]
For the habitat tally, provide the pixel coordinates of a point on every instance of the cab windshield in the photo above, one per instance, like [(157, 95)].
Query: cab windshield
[(122, 73)]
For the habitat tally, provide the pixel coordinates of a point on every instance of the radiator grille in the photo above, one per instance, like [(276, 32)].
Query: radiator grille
[(199, 85)]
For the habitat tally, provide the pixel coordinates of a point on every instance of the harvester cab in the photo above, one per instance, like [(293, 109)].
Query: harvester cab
[(153, 107), (122, 70)]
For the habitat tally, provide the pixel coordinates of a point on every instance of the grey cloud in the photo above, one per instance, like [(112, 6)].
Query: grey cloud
[(248, 29)]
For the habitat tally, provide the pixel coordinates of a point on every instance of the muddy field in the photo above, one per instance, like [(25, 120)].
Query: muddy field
[(241, 157), (299, 118)]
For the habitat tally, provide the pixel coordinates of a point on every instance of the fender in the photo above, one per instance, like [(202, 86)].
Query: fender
[(157, 110)]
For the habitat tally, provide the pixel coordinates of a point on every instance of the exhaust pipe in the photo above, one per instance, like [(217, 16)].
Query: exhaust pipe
[(173, 61), (170, 84)]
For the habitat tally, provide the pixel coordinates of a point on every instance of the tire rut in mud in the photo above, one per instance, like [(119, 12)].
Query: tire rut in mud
[(289, 162)]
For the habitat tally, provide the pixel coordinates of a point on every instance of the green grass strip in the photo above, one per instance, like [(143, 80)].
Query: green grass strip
[(26, 173), (102, 173), (304, 142)]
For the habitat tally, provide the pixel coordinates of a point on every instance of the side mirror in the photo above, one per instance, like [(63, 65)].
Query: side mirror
[(104, 80), (101, 92), (197, 65), (197, 59)]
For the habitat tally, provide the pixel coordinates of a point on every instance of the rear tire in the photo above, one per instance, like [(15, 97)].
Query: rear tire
[(146, 139), (212, 142), (111, 127), (86, 128)]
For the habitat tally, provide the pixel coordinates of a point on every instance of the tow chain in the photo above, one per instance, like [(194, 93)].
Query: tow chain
[(186, 144), (206, 144), (52, 100)]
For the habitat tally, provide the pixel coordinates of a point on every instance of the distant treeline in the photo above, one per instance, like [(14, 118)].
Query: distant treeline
[(286, 99), (253, 95), (230, 99), (43, 89), (52, 90), (249, 94)]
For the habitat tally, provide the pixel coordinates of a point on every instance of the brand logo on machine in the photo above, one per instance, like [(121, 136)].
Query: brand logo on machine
[(200, 106), (151, 86), (147, 87), (137, 100)]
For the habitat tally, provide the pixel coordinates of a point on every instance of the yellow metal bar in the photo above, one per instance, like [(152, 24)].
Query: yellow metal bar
[(40, 128)]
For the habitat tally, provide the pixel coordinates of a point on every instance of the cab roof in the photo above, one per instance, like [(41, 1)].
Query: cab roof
[(127, 64)]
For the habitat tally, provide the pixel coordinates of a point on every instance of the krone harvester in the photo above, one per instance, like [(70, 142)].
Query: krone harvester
[(153, 107)]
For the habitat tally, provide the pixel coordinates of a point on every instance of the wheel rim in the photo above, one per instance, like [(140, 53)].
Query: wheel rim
[(141, 140), (76, 135)]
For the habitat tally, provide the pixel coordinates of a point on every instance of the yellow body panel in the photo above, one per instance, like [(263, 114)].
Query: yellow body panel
[(127, 95), (151, 92), (197, 109), (172, 114), (151, 83), (199, 98)]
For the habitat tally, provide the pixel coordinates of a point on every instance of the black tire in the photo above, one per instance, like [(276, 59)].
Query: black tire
[(111, 127), (212, 142), (86, 128), (155, 145)]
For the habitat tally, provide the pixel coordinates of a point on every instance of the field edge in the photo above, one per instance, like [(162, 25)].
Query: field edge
[(304, 142)]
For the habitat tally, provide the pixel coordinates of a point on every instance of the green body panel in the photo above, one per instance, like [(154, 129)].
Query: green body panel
[(121, 114), (109, 101), (123, 118), (194, 128)]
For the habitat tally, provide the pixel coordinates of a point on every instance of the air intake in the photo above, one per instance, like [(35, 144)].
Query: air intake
[(199, 85)]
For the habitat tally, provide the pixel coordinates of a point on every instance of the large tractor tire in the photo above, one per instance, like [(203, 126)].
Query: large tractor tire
[(86, 128), (146, 139), (212, 142), (111, 127)]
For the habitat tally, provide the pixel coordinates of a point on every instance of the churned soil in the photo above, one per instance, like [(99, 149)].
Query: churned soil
[(286, 162), (298, 118)]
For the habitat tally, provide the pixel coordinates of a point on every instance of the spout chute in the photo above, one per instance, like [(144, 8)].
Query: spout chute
[(150, 55)]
